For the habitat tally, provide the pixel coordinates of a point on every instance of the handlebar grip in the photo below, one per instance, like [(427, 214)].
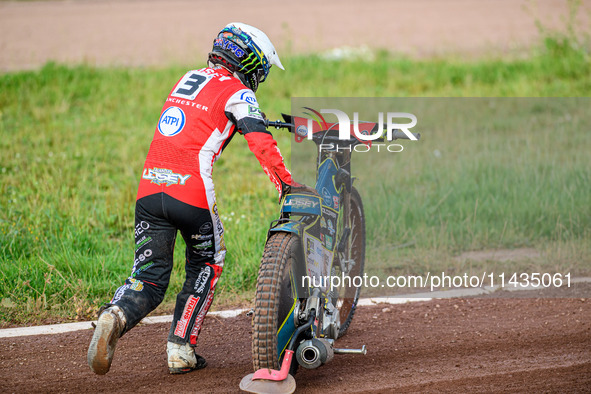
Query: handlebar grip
[(400, 135), (278, 124)]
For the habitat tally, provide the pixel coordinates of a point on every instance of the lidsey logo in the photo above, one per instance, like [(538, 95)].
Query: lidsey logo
[(162, 175), (181, 326)]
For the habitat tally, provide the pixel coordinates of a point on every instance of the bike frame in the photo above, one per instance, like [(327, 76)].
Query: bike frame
[(319, 221)]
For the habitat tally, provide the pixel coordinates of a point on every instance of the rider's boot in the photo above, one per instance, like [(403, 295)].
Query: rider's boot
[(110, 325), (182, 358)]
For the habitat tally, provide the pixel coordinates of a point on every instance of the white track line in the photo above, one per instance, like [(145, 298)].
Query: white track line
[(427, 296), (68, 327)]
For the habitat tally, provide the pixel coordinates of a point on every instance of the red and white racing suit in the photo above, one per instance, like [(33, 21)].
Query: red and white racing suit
[(201, 115)]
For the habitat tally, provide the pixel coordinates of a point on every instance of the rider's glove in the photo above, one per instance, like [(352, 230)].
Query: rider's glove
[(296, 187)]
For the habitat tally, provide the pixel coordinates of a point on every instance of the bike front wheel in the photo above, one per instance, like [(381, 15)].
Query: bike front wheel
[(275, 300)]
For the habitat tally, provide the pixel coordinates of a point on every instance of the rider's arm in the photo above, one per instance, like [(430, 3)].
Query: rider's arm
[(243, 109)]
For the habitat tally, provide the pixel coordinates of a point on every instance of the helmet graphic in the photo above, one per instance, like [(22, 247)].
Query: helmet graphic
[(246, 51)]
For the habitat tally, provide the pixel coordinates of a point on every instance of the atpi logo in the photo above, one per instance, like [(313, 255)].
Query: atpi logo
[(171, 121), (248, 97)]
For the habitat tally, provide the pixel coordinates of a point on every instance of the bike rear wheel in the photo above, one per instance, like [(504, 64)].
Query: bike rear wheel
[(348, 296), (274, 301)]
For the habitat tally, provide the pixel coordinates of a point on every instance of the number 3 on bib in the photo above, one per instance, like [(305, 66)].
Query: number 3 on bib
[(190, 85)]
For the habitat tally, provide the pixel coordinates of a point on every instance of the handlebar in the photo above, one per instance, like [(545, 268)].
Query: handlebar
[(278, 124), (400, 135)]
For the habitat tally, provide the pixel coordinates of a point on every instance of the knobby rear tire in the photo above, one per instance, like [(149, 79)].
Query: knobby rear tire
[(355, 251)]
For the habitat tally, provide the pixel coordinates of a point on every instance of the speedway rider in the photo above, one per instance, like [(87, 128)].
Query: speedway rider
[(202, 113)]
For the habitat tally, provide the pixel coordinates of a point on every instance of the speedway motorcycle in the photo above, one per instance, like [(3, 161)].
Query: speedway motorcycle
[(300, 309)]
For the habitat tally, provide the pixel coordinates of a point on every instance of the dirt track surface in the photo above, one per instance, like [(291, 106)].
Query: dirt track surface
[(158, 32), (455, 345)]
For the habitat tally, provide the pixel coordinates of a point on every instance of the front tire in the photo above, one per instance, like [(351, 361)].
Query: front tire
[(275, 299)]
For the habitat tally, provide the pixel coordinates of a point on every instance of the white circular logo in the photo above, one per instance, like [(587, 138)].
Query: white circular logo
[(302, 131), (171, 121)]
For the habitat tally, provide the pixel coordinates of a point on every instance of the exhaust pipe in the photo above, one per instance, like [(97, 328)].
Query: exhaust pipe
[(313, 353), (363, 351)]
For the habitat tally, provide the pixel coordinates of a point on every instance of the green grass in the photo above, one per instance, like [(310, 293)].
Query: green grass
[(74, 140), (488, 174)]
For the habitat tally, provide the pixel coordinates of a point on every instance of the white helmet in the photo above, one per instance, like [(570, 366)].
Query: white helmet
[(246, 51)]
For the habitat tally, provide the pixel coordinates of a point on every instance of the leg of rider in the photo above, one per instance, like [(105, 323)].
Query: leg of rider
[(143, 290), (155, 236), (204, 262), (209, 270)]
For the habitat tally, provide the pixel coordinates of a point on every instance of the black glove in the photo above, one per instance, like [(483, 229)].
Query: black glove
[(297, 188)]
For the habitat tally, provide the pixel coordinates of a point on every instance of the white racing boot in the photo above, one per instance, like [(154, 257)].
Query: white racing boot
[(109, 327), (182, 358)]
